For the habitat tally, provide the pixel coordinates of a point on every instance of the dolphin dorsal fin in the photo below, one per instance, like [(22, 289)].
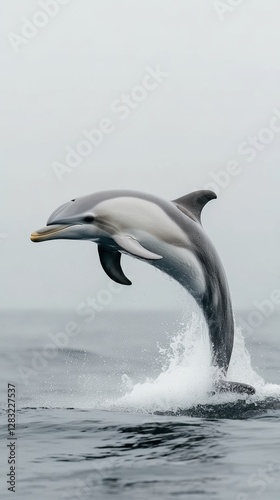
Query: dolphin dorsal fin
[(192, 204)]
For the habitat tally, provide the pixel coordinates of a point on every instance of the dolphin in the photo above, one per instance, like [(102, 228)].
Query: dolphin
[(166, 234)]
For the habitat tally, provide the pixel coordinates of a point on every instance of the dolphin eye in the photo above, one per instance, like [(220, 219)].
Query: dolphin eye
[(88, 219), (73, 200)]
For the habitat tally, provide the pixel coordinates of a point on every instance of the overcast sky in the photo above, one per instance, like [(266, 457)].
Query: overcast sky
[(215, 89)]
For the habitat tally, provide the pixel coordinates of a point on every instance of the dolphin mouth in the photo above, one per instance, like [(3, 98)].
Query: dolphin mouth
[(46, 233)]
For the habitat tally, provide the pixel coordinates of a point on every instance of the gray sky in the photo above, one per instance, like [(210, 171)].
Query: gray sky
[(223, 86)]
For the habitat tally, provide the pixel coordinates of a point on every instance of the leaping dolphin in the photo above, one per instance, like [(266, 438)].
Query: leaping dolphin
[(165, 234)]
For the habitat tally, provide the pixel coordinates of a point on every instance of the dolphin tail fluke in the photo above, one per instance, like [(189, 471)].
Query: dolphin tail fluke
[(223, 386)]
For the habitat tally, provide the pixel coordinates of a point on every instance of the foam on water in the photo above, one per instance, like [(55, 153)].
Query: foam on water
[(185, 380), (187, 375)]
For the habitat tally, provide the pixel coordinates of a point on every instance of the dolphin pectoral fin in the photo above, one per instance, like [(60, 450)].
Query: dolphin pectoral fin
[(132, 246), (193, 203), (111, 263), (223, 386)]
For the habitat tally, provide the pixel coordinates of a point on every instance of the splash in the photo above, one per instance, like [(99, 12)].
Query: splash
[(241, 370), (187, 375)]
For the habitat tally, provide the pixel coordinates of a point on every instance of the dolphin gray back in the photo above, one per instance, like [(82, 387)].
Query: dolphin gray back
[(185, 214), (215, 302)]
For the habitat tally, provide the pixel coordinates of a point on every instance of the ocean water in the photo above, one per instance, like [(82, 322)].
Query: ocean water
[(121, 407)]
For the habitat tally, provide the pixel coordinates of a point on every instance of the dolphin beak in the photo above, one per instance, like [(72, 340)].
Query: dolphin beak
[(49, 233)]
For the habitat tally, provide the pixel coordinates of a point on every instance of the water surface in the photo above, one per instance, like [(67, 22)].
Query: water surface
[(125, 409)]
